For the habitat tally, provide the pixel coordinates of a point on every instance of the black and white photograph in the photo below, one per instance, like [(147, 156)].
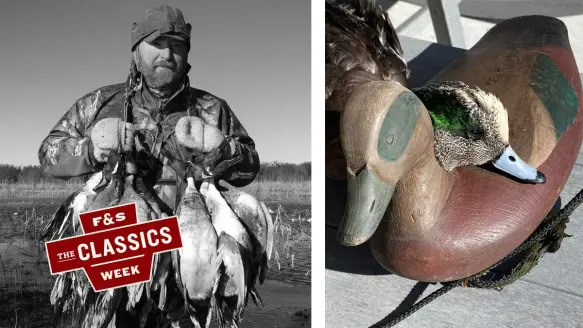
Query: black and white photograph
[(169, 140)]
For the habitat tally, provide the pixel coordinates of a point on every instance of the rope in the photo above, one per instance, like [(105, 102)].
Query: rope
[(545, 228), (414, 308)]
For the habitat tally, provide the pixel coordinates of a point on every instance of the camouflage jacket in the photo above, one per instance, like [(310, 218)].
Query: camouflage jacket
[(68, 152)]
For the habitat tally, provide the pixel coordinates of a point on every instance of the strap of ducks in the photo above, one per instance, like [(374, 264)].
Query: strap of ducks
[(546, 239)]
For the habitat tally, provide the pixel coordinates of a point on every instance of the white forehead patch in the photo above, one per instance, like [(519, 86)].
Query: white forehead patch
[(493, 105)]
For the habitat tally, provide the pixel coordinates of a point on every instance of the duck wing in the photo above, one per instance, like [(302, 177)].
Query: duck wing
[(65, 220), (144, 213), (67, 307), (232, 289), (361, 46), (102, 309), (71, 297), (162, 261), (250, 213), (269, 243), (60, 224)]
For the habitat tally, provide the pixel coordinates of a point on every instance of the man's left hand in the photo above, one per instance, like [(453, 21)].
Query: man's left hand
[(211, 146), (224, 151)]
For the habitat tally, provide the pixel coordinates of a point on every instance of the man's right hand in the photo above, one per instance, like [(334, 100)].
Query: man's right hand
[(107, 135)]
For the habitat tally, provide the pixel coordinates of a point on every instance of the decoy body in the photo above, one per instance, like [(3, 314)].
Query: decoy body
[(446, 179)]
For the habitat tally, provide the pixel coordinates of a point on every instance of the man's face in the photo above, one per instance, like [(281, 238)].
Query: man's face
[(162, 62)]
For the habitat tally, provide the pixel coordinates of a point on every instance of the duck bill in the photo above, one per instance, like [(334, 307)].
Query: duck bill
[(510, 163), (367, 200)]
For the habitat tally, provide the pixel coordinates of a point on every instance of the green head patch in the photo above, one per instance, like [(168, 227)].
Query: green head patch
[(470, 125)]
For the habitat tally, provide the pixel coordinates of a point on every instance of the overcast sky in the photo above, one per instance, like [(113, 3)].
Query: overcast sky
[(255, 54)]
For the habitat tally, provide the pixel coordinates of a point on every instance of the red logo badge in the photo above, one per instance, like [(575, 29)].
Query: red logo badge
[(115, 250)]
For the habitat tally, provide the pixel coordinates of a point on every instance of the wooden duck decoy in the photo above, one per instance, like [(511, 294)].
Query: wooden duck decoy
[(438, 210)]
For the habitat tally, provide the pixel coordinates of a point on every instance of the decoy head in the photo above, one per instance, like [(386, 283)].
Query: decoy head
[(471, 128), (384, 130)]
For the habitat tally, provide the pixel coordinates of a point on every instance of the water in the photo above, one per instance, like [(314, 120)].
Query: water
[(23, 262), (294, 267)]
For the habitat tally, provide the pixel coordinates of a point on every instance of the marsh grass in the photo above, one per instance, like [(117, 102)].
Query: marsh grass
[(286, 191), (21, 291), (291, 257), (267, 191), (27, 283), (40, 190)]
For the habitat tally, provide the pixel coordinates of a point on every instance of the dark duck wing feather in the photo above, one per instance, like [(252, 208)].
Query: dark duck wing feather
[(65, 220), (361, 46)]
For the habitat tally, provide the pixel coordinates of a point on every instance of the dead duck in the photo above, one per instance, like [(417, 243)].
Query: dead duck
[(241, 263), (72, 296), (415, 158), (118, 183), (197, 264), (256, 218), (361, 46), (231, 295)]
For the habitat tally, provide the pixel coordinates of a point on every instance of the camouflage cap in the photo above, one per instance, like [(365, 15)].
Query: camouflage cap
[(161, 20)]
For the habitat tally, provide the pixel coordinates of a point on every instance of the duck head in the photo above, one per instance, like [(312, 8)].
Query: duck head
[(471, 128), (386, 129)]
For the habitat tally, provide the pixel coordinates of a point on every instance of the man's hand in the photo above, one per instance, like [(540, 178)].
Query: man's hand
[(193, 133), (107, 135), (211, 146)]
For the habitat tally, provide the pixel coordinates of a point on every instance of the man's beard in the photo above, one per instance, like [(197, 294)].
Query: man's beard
[(161, 75)]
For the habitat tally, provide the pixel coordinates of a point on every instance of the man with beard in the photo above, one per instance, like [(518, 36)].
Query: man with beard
[(157, 94)]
